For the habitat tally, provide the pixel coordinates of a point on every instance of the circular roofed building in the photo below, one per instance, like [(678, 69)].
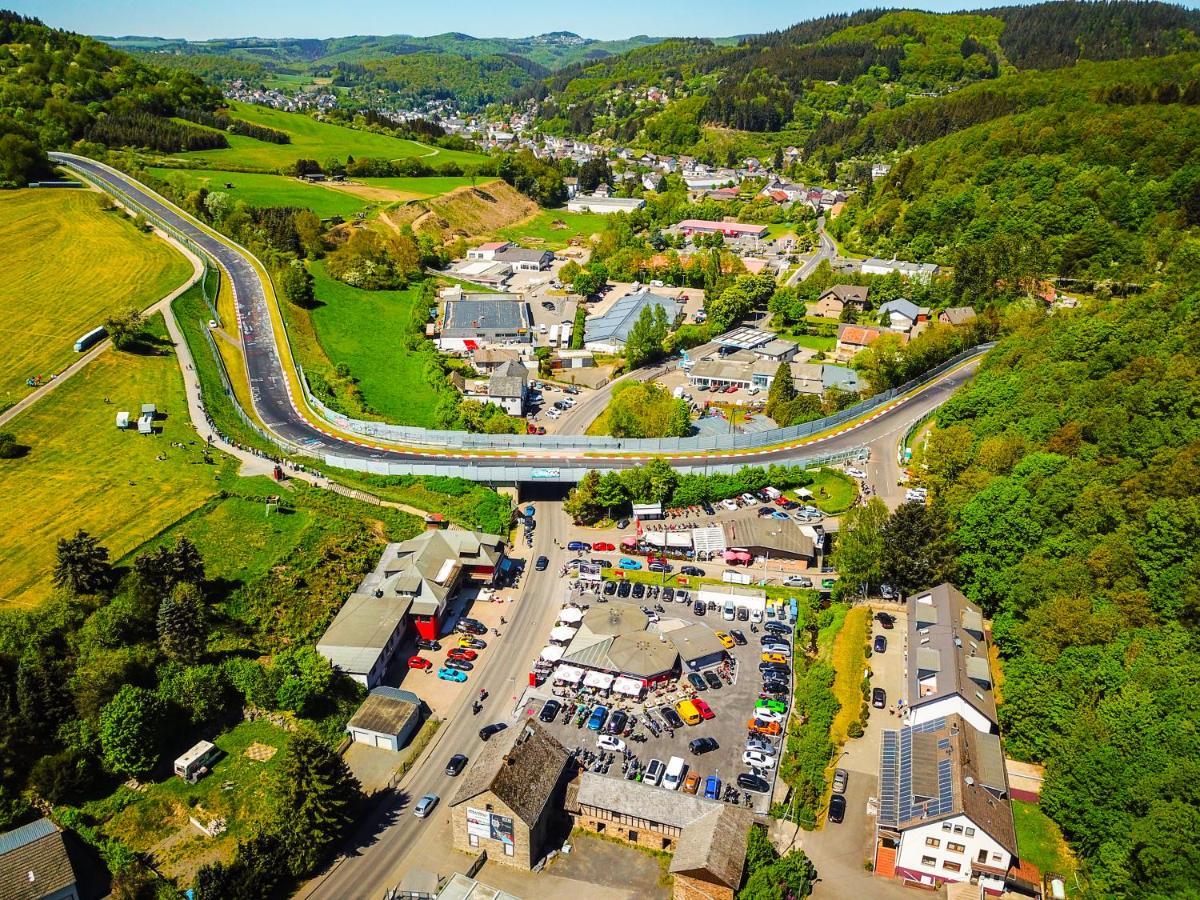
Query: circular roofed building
[(614, 638)]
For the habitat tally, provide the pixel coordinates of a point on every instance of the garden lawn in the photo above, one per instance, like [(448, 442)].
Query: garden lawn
[(818, 342), (82, 472), (1040, 840), (312, 140), (542, 229), (156, 821), (68, 265), (833, 492), (257, 189)]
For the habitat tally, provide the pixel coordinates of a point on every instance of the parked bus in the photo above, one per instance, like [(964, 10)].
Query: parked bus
[(89, 339)]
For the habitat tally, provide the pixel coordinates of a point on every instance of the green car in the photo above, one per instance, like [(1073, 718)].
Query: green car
[(827, 582), (775, 705)]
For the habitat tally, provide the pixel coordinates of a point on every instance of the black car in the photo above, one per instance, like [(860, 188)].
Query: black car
[(616, 722), (541, 564), (610, 588), (713, 679), (694, 571), (668, 594), (880, 643), (473, 624), (697, 681), (457, 763), (602, 563), (671, 717), (550, 711), (773, 671), (660, 567), (488, 730), (461, 664), (625, 589), (777, 627), (772, 638), (886, 620), (837, 808), (703, 745), (879, 698), (778, 688), (743, 614), (424, 644), (738, 637), (698, 608), (749, 782), (639, 591), (708, 509), (623, 524)]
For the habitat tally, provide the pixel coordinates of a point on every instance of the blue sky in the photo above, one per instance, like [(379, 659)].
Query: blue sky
[(483, 18)]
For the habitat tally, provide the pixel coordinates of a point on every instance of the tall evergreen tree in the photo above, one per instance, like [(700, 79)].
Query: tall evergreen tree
[(182, 625), (81, 565), (317, 800), (783, 389)]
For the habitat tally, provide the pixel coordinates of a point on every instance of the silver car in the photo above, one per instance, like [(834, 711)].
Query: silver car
[(425, 806), (840, 777)]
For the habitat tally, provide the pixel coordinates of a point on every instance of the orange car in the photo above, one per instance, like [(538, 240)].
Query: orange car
[(758, 726), (691, 784)]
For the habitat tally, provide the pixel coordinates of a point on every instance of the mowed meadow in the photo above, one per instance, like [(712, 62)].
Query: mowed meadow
[(68, 265), (81, 471)]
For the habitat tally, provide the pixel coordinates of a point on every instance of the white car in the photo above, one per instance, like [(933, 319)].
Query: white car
[(756, 615), (568, 400), (610, 742), (769, 715), (654, 772), (730, 504), (856, 473), (749, 499), (553, 413), (761, 760), (759, 744), (799, 581)]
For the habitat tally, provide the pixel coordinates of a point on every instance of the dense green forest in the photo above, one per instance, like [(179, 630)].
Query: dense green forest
[(470, 81), (57, 88), (1067, 472)]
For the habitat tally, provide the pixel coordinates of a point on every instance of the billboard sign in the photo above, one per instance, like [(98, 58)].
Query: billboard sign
[(548, 474), (490, 826)]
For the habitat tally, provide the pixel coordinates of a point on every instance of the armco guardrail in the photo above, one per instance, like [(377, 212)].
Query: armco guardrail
[(420, 437)]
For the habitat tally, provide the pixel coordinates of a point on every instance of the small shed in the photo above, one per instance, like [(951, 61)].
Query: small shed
[(145, 424), (195, 764), (123, 419), (387, 718), (647, 511), (149, 409)]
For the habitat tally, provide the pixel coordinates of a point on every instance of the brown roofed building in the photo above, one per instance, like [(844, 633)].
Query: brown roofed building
[(834, 301), (509, 801), (34, 864), (957, 315)]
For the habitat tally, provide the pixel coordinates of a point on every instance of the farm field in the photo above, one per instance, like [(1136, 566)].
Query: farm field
[(82, 472), (543, 229), (258, 189), (68, 265), (364, 330), (312, 140)]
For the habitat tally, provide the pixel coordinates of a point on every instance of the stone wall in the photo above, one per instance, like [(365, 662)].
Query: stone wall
[(643, 837), (685, 887)]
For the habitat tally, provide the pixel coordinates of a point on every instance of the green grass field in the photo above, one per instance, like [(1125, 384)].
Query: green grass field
[(364, 330), (258, 189), (313, 140), (67, 266), (817, 342), (1040, 839), (833, 492), (82, 472), (542, 230)]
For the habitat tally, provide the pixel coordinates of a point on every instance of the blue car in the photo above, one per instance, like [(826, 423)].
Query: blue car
[(626, 563), (451, 675), (779, 514), (712, 788), (596, 720), (580, 545)]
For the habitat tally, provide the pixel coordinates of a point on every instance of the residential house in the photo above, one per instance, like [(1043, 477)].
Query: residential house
[(509, 801), (837, 298), (487, 251), (910, 270), (489, 359), (508, 388), (708, 838), (852, 339), (945, 815), (903, 315), (957, 315), (948, 672), (35, 865), (878, 170)]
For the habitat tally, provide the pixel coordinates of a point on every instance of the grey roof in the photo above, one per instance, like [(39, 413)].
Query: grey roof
[(641, 800), (908, 268), (744, 338), (935, 622), (479, 318), (904, 307), (642, 655), (776, 347), (460, 887), (959, 315), (696, 641), (613, 638), (847, 293), (840, 377), (778, 537), (35, 849), (521, 766), (522, 254), (510, 380), (361, 629), (386, 711), (715, 845), (616, 324)]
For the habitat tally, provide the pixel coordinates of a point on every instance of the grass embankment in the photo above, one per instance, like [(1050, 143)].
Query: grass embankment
[(364, 331), (68, 265), (849, 658), (463, 502), (1041, 841), (82, 472), (554, 228), (311, 139), (258, 189), (431, 186)]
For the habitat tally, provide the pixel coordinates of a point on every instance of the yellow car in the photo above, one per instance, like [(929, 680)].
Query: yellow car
[(688, 712), (775, 658), (725, 640)]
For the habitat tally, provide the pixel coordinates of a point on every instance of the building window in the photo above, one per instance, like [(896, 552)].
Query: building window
[(633, 835), (489, 808), (958, 829), (970, 832), (929, 860), (473, 840), (945, 826), (933, 842), (666, 843), (508, 849), (955, 848), (982, 856), (951, 866), (996, 857), (600, 828)]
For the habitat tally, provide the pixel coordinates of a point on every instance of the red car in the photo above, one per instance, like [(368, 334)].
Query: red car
[(703, 708), (419, 662), (732, 389), (462, 654), (602, 546)]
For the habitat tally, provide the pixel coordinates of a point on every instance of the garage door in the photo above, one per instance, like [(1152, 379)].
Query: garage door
[(382, 740)]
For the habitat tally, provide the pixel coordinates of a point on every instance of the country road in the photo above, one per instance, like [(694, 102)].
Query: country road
[(283, 416)]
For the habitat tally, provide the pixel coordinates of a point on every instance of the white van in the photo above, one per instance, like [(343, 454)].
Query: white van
[(729, 612), (673, 778)]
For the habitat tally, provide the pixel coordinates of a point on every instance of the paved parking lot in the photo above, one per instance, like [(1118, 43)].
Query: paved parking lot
[(733, 705)]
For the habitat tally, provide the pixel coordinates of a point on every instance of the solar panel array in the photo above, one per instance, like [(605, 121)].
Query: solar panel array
[(896, 776)]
